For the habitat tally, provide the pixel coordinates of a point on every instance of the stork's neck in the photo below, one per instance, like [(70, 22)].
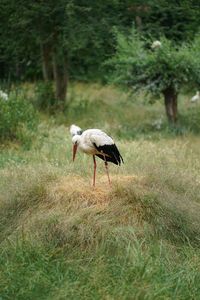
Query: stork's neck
[(76, 139)]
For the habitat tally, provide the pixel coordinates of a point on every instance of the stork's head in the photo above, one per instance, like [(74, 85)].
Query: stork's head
[(74, 130), (75, 141)]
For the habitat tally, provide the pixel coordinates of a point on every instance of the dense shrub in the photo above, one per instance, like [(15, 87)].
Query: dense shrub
[(18, 120), (45, 95), (156, 67)]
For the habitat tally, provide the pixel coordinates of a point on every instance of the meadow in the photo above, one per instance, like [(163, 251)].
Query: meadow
[(60, 238)]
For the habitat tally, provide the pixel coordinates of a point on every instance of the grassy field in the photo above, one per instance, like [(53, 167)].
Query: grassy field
[(62, 239)]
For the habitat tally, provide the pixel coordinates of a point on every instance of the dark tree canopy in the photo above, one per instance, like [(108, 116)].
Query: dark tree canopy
[(83, 31)]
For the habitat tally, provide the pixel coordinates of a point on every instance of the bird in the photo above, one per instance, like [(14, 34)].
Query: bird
[(157, 123), (74, 130), (96, 143), (195, 97), (3, 95)]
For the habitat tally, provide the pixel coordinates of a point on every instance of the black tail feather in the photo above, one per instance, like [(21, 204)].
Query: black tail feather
[(112, 153)]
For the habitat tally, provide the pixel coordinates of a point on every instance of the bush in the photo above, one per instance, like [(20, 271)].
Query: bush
[(159, 67), (18, 120), (45, 96)]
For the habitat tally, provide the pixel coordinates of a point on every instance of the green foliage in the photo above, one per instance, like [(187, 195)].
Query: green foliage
[(18, 120), (139, 66), (178, 20), (80, 31), (83, 31), (45, 96)]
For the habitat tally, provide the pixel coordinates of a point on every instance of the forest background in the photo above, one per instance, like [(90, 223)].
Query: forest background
[(95, 64)]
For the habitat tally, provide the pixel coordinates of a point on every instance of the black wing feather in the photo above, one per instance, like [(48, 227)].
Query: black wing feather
[(111, 150)]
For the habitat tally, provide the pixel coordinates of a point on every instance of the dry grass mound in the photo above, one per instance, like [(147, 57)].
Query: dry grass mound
[(66, 211), (74, 214)]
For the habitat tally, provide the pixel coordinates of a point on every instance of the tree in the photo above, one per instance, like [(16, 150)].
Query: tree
[(62, 36), (178, 20), (43, 22), (39, 30), (163, 70)]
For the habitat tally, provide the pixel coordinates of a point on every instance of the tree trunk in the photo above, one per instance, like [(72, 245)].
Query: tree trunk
[(139, 24), (175, 109), (17, 69), (60, 76), (171, 105), (45, 50)]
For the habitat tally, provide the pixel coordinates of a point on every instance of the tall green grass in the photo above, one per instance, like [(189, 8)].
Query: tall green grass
[(62, 239), (18, 120)]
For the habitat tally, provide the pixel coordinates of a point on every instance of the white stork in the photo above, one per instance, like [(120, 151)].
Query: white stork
[(195, 97), (95, 142)]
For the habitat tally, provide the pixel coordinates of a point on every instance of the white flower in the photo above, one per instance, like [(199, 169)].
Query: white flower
[(156, 44), (3, 95)]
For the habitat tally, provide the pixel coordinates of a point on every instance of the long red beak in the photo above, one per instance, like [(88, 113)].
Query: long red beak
[(74, 152)]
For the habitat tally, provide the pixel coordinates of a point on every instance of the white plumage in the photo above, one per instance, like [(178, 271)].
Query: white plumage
[(74, 130), (90, 137), (195, 97), (3, 95), (95, 142), (157, 123)]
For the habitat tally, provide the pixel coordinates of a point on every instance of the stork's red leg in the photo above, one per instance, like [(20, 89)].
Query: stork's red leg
[(94, 170), (106, 165)]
